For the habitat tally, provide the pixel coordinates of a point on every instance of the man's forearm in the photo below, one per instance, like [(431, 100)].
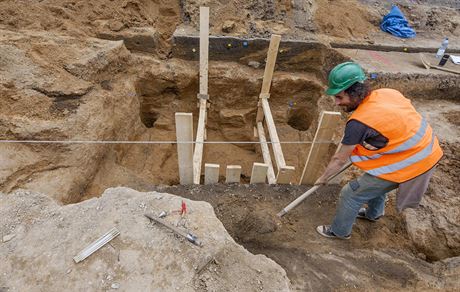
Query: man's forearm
[(333, 167)]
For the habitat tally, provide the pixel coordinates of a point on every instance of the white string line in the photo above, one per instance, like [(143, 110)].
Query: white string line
[(153, 142)]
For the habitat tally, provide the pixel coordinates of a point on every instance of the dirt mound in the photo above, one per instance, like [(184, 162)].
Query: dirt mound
[(378, 254), (143, 257), (90, 18)]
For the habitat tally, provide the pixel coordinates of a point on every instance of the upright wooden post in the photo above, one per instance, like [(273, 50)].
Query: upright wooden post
[(233, 174), (204, 49), (203, 95), (259, 173), (317, 156), (184, 133), (211, 173)]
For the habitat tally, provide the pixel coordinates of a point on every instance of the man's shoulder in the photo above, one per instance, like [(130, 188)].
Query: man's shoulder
[(387, 92)]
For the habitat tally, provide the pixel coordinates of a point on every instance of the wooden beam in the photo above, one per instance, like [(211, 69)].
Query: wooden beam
[(277, 151), (204, 49), (317, 156), (203, 94), (233, 174), (211, 173), (184, 133), (285, 175), (198, 154), (268, 73), (259, 173), (271, 61), (266, 153)]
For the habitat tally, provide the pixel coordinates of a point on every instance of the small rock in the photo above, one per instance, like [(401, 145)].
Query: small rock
[(8, 237), (228, 26), (254, 64), (68, 271), (421, 256), (109, 278), (116, 25), (115, 286)]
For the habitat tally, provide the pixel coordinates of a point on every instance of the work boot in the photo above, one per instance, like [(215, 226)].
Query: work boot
[(362, 215), (325, 230)]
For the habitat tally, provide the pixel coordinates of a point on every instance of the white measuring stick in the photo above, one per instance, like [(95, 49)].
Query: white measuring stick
[(89, 250)]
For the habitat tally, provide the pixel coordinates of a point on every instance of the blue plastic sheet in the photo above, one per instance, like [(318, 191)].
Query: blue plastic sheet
[(396, 24)]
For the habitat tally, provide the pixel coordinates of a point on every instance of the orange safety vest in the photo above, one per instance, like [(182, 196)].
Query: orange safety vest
[(412, 147)]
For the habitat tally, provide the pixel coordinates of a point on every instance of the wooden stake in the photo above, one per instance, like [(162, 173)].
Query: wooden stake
[(211, 173), (184, 133), (317, 156), (259, 173), (233, 174)]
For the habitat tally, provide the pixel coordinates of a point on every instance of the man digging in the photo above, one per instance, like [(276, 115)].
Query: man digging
[(386, 138)]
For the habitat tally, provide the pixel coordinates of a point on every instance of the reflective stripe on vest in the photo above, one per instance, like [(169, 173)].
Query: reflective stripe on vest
[(406, 162), (414, 140)]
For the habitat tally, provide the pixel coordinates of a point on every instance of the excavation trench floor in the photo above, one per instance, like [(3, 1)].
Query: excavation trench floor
[(312, 262)]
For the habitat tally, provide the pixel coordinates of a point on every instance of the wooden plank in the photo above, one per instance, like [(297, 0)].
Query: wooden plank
[(317, 156), (198, 154), (211, 173), (201, 131), (285, 175), (266, 153), (277, 151), (204, 49), (271, 61), (259, 173), (233, 174), (268, 73), (184, 133)]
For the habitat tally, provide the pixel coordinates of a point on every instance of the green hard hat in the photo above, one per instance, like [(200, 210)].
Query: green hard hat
[(343, 76)]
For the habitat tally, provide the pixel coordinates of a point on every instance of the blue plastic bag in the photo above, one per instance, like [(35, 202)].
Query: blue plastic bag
[(396, 24)]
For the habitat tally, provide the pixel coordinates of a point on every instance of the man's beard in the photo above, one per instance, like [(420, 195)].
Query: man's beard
[(354, 103)]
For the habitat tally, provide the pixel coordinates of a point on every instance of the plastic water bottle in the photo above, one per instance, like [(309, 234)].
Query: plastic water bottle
[(442, 48)]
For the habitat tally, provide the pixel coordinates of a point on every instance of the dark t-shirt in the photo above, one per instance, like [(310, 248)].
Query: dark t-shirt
[(358, 133)]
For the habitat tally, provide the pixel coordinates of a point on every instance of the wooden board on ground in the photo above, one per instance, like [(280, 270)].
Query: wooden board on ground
[(211, 173), (285, 175), (259, 173), (184, 133), (317, 157), (233, 174)]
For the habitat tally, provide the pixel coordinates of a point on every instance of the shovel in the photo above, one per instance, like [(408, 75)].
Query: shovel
[(309, 192), (427, 65)]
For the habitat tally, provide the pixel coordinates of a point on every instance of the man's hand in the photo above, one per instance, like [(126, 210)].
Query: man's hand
[(337, 162)]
